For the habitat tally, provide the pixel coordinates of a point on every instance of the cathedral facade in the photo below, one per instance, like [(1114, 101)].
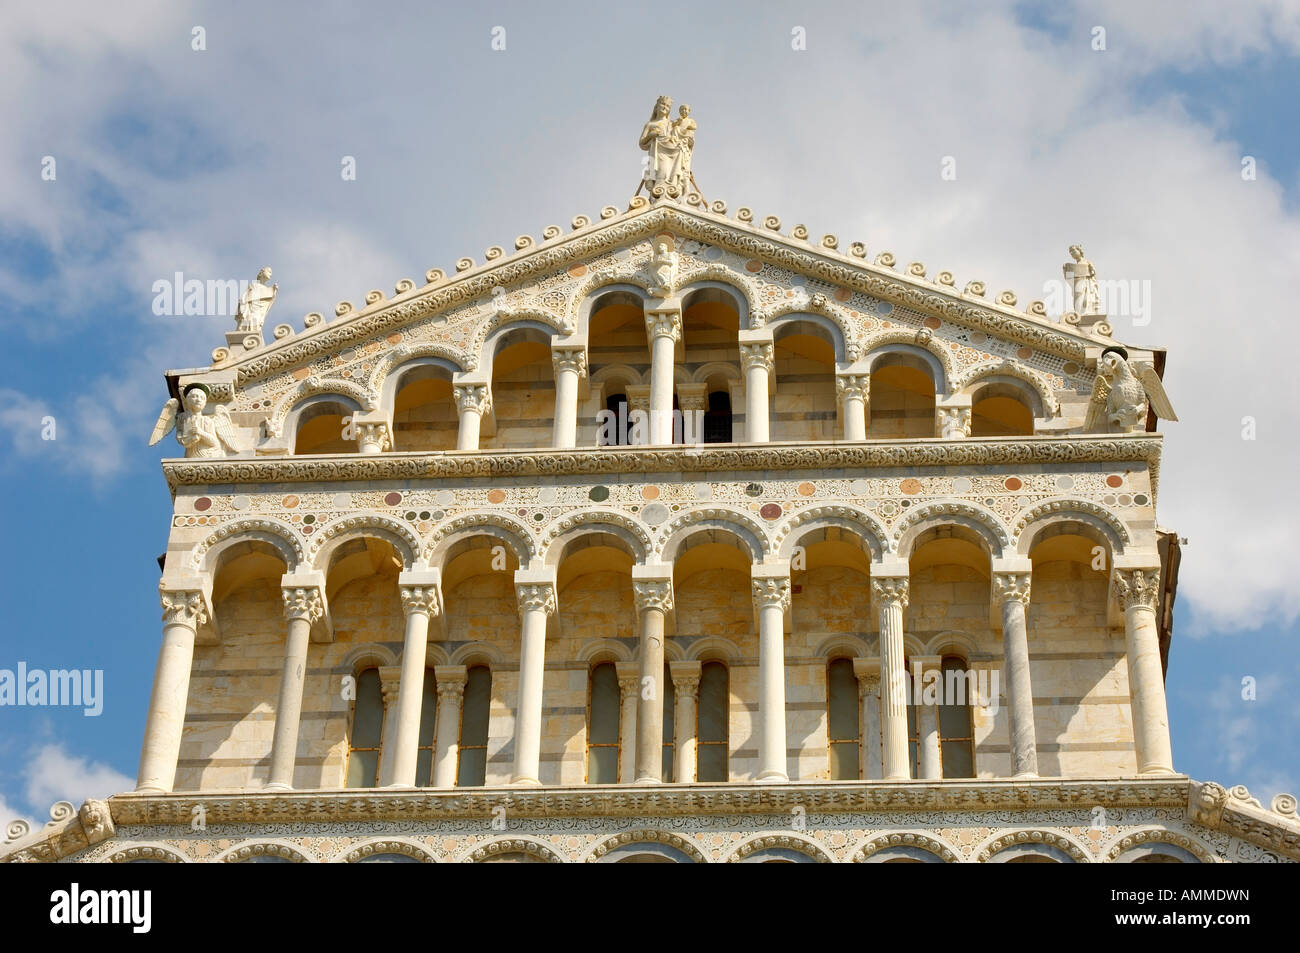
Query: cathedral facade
[(674, 537)]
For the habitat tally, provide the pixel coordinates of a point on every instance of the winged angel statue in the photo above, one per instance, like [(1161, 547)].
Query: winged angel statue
[(202, 435), (1120, 394)]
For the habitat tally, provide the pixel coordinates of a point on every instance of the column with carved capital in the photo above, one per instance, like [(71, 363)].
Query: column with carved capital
[(653, 591), (570, 367), (852, 390), (664, 328), (1138, 592), (758, 359), (629, 689), (421, 600), (686, 689), (536, 595), (891, 595), (867, 671), (451, 693), (771, 592), (472, 402), (303, 605), (183, 612), (1011, 592), (373, 436)]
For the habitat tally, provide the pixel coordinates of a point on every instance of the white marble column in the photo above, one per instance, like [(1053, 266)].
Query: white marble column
[(1138, 593), (472, 402), (451, 695), (758, 360), (629, 689), (771, 591), (927, 717), (421, 601), (891, 594), (664, 328), (686, 690), (536, 593), (1011, 592), (302, 607), (653, 594), (183, 612), (853, 390), (390, 685), (570, 365), (867, 671), (373, 433)]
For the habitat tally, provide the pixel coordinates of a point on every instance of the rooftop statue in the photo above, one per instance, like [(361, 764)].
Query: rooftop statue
[(202, 435), (669, 144), (1083, 280), (1120, 393), (255, 302)]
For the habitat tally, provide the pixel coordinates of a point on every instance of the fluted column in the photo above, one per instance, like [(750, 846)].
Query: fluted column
[(451, 695), (927, 718), (771, 593), (654, 600), (183, 612), (420, 601), (302, 607), (664, 328), (390, 685), (891, 594), (570, 367), (867, 671), (758, 360), (1138, 593), (686, 689), (1011, 592), (852, 390), (472, 402), (536, 594), (629, 686)]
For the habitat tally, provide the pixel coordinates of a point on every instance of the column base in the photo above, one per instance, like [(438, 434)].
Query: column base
[(151, 789), (1157, 769), (526, 782), (1025, 776), (648, 781), (773, 777), (278, 786)]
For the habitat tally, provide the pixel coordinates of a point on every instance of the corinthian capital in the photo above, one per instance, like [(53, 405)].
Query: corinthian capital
[(1137, 587), (759, 354), (420, 599), (653, 594), (302, 604), (771, 592), (536, 597), (664, 324), (183, 606), (375, 436), (476, 397), (852, 386), (890, 590), (1011, 585), (569, 359)]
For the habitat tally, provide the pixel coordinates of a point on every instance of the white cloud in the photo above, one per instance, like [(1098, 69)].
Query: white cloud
[(51, 774)]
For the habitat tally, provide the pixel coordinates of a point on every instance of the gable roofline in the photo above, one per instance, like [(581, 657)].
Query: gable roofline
[(940, 297)]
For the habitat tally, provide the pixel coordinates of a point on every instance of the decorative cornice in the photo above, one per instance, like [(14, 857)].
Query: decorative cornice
[(923, 452)]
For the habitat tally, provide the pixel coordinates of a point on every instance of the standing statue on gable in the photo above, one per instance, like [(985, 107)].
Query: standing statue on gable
[(255, 302)]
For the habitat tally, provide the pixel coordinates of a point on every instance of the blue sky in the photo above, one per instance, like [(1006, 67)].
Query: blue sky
[(216, 161)]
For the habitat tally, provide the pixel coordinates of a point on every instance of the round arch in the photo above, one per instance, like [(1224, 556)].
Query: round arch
[(631, 535), (1104, 525), (910, 344), (1051, 845), (509, 530), (857, 521), (903, 845), (381, 846), (387, 379), (153, 851), (596, 651), (647, 841), (396, 533), (1132, 846), (371, 654), (314, 391), (976, 518), (280, 536), (1041, 400), (718, 279), (264, 849), (478, 653), (713, 648), (733, 522), (505, 846), (587, 295), (829, 329), (778, 847)]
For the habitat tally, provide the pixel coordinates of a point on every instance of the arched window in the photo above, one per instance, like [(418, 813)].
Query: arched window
[(956, 734), (428, 714), (1000, 410), (842, 720), (320, 428), (472, 771), (670, 734), (717, 419), (712, 725), (365, 734), (902, 397), (602, 725)]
